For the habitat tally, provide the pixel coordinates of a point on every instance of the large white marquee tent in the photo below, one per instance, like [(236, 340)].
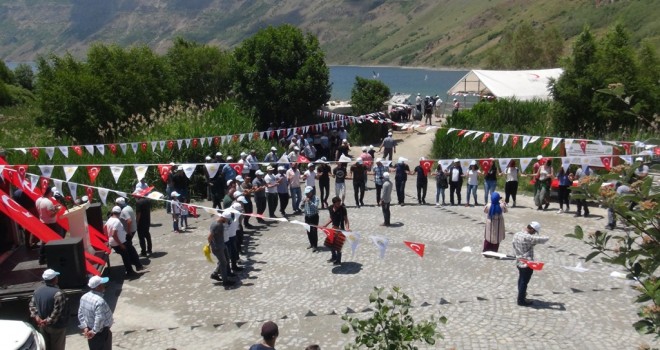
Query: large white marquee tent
[(519, 84)]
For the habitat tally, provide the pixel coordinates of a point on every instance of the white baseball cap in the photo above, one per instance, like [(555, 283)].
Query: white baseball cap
[(116, 209), (536, 226), (386, 175), (120, 201), (229, 182), (96, 281), (218, 154), (273, 148), (49, 274), (207, 158), (241, 199), (239, 178), (309, 189), (259, 173), (238, 206), (174, 194), (364, 148), (389, 133), (230, 158)]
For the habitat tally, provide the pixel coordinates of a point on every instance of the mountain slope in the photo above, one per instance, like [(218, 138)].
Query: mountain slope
[(403, 32)]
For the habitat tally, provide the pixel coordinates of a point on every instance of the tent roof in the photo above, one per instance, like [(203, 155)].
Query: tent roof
[(521, 84)]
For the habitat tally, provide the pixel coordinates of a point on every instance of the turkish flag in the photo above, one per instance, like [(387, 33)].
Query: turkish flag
[(44, 184), (90, 193), (485, 164), (21, 170), (113, 148), (195, 142), (193, 211), (626, 146), (238, 167), (416, 247), (143, 146), (583, 146), (607, 162), (460, 133), (656, 151), (93, 172), (77, 149), (144, 192), (164, 170), (534, 265), (302, 159), (485, 137), (515, 140), (330, 235), (35, 153), (170, 144), (426, 166), (546, 142)]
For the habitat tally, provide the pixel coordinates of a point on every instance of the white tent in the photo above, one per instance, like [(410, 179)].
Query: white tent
[(521, 84)]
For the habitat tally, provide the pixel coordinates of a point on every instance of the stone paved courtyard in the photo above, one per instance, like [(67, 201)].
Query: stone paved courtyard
[(175, 304)]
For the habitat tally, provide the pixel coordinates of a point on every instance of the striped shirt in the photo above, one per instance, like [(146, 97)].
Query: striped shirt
[(94, 313), (312, 206), (523, 246)]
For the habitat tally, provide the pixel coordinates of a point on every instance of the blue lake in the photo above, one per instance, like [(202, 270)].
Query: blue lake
[(399, 79)]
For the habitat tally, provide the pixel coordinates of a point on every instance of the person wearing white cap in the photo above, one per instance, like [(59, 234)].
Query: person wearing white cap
[(418, 102), (48, 309), (642, 171), (339, 174), (422, 182), (271, 157), (228, 171), (343, 149), (401, 172), (253, 160), (358, 171), (457, 106), (378, 169), (48, 215), (386, 199), (389, 145), (246, 164), (259, 190), (170, 185), (116, 233), (523, 248), (271, 190), (127, 218), (216, 239), (455, 181), (323, 171), (293, 175), (282, 189), (234, 232), (311, 210), (95, 316)]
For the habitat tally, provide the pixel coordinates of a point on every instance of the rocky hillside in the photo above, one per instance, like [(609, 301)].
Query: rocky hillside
[(398, 32)]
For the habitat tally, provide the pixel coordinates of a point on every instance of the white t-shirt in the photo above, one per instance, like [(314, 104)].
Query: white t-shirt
[(246, 166), (455, 175), (115, 224), (270, 180), (644, 171), (45, 207), (310, 179), (544, 172), (473, 178), (294, 178), (233, 227), (128, 213), (511, 174)]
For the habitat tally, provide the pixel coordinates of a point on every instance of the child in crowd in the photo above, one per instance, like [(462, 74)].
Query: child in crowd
[(176, 211), (185, 210)]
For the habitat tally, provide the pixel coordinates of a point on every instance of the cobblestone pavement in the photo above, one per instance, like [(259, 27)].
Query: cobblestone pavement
[(175, 304)]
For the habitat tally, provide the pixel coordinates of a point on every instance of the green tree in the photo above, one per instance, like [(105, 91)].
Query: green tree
[(637, 249), (368, 96), (573, 91), (391, 326), (201, 72), (5, 96), (281, 73), (24, 76), (526, 47), (6, 75)]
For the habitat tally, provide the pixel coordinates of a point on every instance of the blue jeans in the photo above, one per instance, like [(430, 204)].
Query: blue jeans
[(524, 275), (489, 188), (439, 191), (296, 197), (473, 189)]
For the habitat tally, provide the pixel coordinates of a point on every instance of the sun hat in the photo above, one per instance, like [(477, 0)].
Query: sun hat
[(536, 226), (49, 274), (96, 281), (116, 209)]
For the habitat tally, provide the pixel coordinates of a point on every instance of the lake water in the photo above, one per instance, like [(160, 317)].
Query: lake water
[(399, 79)]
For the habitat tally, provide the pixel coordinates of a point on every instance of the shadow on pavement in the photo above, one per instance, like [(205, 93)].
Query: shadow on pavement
[(539, 304), (347, 268), (396, 224)]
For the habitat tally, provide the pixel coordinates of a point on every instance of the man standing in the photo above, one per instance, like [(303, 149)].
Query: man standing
[(293, 175), (386, 199), (253, 160), (358, 171), (379, 169), (581, 173), (311, 206), (339, 173), (127, 218), (283, 189), (95, 316), (523, 247), (116, 233), (49, 310), (48, 215), (143, 219), (259, 190), (271, 157), (216, 239), (400, 177), (455, 181), (271, 190), (422, 182), (390, 146), (228, 172), (310, 176)]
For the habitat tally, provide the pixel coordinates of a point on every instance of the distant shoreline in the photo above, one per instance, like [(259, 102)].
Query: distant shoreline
[(440, 69)]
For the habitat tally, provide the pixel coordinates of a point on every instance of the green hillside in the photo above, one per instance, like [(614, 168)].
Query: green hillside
[(429, 33)]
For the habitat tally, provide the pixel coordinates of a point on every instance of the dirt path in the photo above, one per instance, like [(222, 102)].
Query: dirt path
[(409, 144)]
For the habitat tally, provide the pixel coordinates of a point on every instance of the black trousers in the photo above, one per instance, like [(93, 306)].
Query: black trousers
[(101, 340), (379, 189), (563, 194), (261, 204), (248, 209), (145, 239), (386, 213), (272, 203), (388, 153), (510, 190), (358, 192), (400, 186), (324, 186), (455, 187), (284, 201), (582, 204), (524, 275), (313, 234), (421, 191)]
